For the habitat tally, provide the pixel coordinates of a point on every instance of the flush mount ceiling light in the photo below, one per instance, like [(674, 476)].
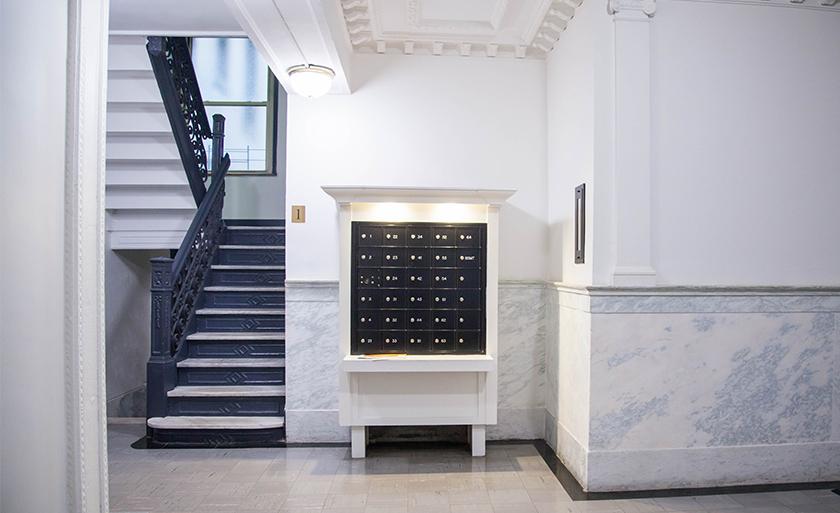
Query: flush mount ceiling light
[(311, 80)]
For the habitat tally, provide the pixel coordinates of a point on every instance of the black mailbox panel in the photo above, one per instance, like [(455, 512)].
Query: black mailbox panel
[(418, 288)]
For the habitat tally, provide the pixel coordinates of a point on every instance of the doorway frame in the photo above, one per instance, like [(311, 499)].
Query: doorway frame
[(84, 250)]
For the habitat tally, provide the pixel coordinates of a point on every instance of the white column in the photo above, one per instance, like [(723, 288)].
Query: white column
[(632, 181)]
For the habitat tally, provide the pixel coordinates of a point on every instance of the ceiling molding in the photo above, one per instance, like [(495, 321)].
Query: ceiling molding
[(501, 29), (814, 5)]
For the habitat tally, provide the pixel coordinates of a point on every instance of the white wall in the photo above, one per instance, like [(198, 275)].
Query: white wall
[(33, 452), (578, 135), (422, 120), (746, 155)]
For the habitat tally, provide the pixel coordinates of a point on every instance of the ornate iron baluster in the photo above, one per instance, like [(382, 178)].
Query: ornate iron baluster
[(175, 75), (177, 284)]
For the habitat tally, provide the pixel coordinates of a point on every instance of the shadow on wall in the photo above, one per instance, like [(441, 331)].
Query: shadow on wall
[(523, 244), (127, 314)]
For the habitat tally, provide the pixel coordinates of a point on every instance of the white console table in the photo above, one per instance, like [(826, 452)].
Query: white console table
[(445, 389)]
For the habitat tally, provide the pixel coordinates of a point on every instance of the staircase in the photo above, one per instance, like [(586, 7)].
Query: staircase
[(230, 384), (216, 373), (147, 196)]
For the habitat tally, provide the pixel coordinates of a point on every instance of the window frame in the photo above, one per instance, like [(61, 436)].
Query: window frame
[(271, 105)]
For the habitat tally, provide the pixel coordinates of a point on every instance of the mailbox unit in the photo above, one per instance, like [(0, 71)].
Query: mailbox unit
[(418, 279), (418, 288)]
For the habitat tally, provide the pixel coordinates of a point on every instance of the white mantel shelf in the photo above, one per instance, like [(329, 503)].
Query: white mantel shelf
[(359, 194), (419, 363)]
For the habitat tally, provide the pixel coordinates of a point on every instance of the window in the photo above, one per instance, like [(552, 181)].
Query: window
[(236, 83)]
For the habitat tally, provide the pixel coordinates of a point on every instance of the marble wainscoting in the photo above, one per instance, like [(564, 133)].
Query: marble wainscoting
[(567, 377), (522, 336), (312, 362), (695, 387)]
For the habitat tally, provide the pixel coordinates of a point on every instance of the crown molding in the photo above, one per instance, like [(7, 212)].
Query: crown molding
[(550, 19), (814, 5)]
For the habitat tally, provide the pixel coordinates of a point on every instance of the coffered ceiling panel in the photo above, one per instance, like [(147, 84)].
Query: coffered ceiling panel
[(471, 28)]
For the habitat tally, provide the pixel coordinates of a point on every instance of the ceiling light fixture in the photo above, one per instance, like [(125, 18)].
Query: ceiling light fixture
[(311, 80)]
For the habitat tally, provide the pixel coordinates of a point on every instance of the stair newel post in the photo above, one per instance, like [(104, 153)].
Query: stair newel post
[(161, 369), (218, 142)]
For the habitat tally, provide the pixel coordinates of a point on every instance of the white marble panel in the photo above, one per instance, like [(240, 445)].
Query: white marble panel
[(715, 300), (550, 429), (573, 453), (312, 347), (518, 424), (706, 380), (552, 363), (835, 422), (712, 466), (315, 426), (573, 371), (521, 346)]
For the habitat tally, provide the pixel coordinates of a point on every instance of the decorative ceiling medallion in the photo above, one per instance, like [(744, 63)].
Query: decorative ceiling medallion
[(468, 28)]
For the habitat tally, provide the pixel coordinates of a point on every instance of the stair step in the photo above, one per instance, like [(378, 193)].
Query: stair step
[(232, 362), (240, 227), (249, 246), (216, 422), (224, 336), (229, 391), (240, 311), (235, 288), (228, 267)]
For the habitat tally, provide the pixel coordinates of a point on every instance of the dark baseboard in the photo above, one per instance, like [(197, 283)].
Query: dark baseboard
[(576, 492)]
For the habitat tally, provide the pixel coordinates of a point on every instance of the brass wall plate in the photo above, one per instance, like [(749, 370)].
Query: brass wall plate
[(298, 213)]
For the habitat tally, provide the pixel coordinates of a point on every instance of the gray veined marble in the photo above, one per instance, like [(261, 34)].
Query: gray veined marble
[(312, 356), (684, 380), (698, 386), (521, 347)]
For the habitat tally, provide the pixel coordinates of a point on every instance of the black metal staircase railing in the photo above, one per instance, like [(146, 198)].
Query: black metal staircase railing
[(177, 283), (175, 75)]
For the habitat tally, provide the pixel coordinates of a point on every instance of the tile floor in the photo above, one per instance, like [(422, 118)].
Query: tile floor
[(511, 479)]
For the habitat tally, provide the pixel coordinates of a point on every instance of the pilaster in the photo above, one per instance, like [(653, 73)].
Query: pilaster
[(632, 171)]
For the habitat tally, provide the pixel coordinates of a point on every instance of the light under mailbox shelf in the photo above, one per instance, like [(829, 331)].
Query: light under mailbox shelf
[(420, 363)]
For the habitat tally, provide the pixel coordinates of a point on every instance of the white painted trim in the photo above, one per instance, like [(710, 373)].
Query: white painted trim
[(418, 195), (631, 195), (711, 290), (84, 249), (182, 33)]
